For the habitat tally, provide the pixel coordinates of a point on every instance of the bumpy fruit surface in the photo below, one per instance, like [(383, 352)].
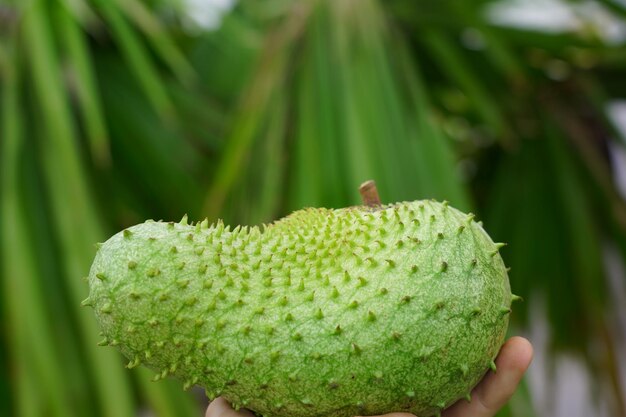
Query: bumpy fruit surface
[(325, 313)]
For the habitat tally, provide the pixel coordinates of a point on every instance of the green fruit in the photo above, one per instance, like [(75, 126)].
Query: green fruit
[(328, 313)]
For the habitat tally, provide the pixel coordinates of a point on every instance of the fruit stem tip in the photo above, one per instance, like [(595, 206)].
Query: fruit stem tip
[(369, 193)]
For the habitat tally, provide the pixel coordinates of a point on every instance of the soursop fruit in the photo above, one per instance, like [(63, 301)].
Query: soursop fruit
[(324, 313)]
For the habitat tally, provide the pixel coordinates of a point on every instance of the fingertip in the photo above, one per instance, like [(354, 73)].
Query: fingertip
[(516, 354), (219, 407), (497, 388)]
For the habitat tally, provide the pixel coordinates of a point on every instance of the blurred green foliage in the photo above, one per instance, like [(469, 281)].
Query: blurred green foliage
[(114, 111)]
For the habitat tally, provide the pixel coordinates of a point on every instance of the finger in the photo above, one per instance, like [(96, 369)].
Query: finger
[(497, 388), (219, 407)]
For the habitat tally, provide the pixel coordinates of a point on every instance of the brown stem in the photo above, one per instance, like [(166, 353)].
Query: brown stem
[(612, 366), (369, 194)]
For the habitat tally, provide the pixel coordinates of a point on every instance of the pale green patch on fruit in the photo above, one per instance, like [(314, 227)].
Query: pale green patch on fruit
[(325, 313)]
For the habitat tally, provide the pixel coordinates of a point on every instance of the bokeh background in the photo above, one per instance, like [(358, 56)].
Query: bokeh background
[(116, 111)]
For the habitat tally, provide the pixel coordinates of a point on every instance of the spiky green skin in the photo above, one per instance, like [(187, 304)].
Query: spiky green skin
[(325, 313)]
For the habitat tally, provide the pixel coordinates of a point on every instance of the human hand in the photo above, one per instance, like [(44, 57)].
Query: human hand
[(487, 397)]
